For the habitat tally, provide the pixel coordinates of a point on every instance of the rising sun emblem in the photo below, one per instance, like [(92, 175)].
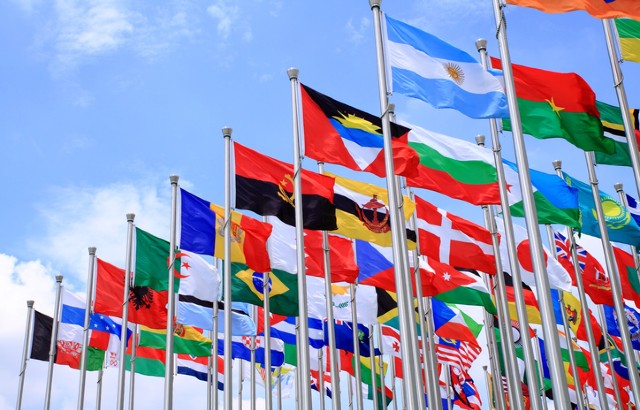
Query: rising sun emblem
[(455, 72)]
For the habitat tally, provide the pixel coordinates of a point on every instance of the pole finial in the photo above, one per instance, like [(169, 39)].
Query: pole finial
[(226, 131), (557, 164), (484, 367), (618, 186), (293, 73), (375, 3), (59, 278), (481, 44), (92, 250), (480, 140), (131, 217), (30, 303), (174, 179), (392, 108)]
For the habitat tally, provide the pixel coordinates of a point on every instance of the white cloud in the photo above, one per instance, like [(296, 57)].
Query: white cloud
[(358, 31), (230, 21)]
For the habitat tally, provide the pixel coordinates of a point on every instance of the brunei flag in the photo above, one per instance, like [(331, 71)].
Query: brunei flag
[(337, 133), (248, 286), (202, 232), (265, 186), (362, 211)]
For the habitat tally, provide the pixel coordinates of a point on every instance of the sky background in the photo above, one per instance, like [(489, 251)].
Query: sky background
[(100, 101)]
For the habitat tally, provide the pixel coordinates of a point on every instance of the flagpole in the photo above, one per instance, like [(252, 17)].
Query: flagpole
[(54, 341), (409, 339), (492, 350), (321, 378), (85, 328), (252, 376), (381, 365), (132, 367), (266, 307), (593, 347), (488, 385), (240, 375), (99, 386), (616, 288), (304, 363), (393, 381), (605, 334), (449, 387), (549, 329), (333, 363), (372, 364), (622, 101), (356, 347), (226, 263), (541, 372), (279, 388), (214, 364), (125, 310), (25, 353), (210, 374)]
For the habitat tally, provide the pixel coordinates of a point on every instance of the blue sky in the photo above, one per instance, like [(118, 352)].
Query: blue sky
[(100, 101)]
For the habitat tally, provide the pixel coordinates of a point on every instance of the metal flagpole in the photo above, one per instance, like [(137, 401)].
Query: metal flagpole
[(498, 391), (279, 388), (605, 334), (210, 374), (567, 330), (372, 364), (252, 376), (226, 263), (409, 340), (623, 201), (25, 352), (333, 362), (540, 373), (556, 368), (614, 277), (214, 365), (392, 363), (593, 347), (488, 385), (350, 392), (383, 387), (171, 307), (85, 328), (54, 341), (321, 378), (99, 387), (304, 362), (622, 101), (356, 347), (240, 376), (447, 369), (125, 310), (266, 292), (132, 367)]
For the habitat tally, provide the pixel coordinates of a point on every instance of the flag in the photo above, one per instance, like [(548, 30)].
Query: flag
[(531, 303), (633, 323), (629, 36), (202, 231), (595, 279), (315, 382), (152, 262), (337, 133), (390, 342), (344, 337), (347, 363), (628, 275), (362, 211), (427, 68), (198, 291), (557, 105), (620, 225), (449, 323), (186, 339), (559, 278), (41, 339), (248, 286), (457, 353), (452, 240), (198, 367), (241, 349), (601, 9), (105, 335), (633, 208), (286, 331), (575, 314), (556, 202), (264, 185), (148, 361), (70, 335), (366, 301), (613, 125), (454, 167)]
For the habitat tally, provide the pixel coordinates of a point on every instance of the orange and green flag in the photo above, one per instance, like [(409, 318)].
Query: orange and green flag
[(558, 105), (603, 9)]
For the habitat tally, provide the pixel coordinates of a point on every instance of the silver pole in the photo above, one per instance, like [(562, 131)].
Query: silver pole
[(85, 329), (350, 391), (614, 277), (393, 381), (240, 383), (25, 352), (279, 388), (521, 306), (54, 341), (228, 362), (605, 334), (383, 387), (304, 363), (171, 307), (333, 363), (622, 101), (449, 387), (125, 310), (593, 347), (214, 365), (372, 365), (132, 367), (488, 383), (556, 368), (541, 373), (252, 376), (99, 387), (629, 405), (356, 348), (210, 375), (267, 336), (409, 341), (321, 378)]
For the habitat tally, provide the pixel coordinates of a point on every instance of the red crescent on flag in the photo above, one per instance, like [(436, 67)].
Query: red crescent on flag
[(175, 271)]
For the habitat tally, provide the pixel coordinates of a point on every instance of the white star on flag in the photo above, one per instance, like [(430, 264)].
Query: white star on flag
[(446, 276)]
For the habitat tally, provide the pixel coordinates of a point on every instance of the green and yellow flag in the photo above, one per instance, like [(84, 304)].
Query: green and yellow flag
[(629, 34)]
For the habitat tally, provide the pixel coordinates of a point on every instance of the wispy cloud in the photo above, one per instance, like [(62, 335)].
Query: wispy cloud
[(227, 14), (357, 31)]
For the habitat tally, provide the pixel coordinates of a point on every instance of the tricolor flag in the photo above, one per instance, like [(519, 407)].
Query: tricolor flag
[(427, 68), (337, 133), (186, 339), (198, 368), (629, 35), (241, 349), (602, 9)]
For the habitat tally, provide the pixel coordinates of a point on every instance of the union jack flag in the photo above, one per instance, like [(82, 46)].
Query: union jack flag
[(563, 249)]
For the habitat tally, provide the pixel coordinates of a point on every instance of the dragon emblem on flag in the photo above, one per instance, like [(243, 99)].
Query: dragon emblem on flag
[(375, 224)]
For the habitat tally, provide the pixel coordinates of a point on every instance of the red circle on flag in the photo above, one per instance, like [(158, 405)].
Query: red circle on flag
[(524, 256)]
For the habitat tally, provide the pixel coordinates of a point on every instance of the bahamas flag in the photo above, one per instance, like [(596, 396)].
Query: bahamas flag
[(248, 286), (620, 224), (337, 133), (202, 232), (429, 69)]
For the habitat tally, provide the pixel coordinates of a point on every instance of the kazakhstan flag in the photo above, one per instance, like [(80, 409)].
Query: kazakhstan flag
[(620, 225)]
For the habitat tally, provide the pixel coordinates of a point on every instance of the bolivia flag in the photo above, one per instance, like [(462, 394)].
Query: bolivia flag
[(598, 8), (558, 105), (629, 32), (337, 133), (202, 231), (186, 339)]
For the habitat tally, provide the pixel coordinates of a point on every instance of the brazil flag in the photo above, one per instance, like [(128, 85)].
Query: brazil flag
[(248, 286)]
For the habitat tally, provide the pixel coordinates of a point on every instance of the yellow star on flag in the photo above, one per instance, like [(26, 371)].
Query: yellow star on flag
[(554, 107)]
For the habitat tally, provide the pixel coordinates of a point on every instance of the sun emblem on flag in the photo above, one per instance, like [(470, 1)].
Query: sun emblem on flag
[(615, 216), (455, 72)]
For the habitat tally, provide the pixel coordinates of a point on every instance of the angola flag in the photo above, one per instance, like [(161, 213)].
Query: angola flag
[(337, 133), (265, 186)]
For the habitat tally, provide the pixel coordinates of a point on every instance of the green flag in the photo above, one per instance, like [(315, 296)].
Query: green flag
[(611, 118), (629, 33), (152, 262)]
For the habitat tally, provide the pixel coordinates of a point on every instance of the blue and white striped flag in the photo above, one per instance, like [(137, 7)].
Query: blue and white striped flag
[(427, 68), (286, 331)]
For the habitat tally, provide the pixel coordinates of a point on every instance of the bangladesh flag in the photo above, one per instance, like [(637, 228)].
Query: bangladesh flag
[(558, 105), (611, 118), (248, 286)]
